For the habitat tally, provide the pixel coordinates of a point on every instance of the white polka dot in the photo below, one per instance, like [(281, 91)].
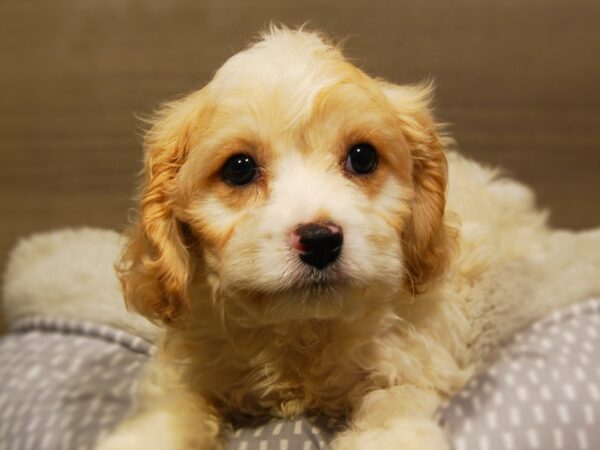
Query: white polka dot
[(588, 412), (540, 363), (277, 428), (498, 399), (468, 425), (508, 441), (522, 393), (105, 419), (263, 445), (582, 439), (465, 393), (243, 445), (533, 439), (538, 413), (594, 391), (29, 441), (298, 427), (588, 347), (583, 358), (46, 441), (533, 377), (563, 414), (515, 416), (546, 393), (567, 336), (484, 443), (307, 445), (509, 379), (66, 438), (460, 444), (569, 391), (476, 404), (592, 332), (129, 368), (33, 423), (283, 444), (33, 372)]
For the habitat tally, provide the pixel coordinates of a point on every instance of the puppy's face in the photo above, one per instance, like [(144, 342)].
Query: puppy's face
[(294, 185)]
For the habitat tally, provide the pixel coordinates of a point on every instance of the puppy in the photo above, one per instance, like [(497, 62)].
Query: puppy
[(294, 238)]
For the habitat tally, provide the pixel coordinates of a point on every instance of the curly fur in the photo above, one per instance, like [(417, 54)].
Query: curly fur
[(416, 304)]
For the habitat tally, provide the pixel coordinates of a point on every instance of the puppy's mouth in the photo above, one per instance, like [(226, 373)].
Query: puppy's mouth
[(314, 284), (314, 279), (305, 284)]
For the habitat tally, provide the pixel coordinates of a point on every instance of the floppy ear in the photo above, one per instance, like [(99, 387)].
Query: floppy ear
[(156, 264), (427, 240)]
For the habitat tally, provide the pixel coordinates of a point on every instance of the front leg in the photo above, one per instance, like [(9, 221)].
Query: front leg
[(397, 418), (182, 424)]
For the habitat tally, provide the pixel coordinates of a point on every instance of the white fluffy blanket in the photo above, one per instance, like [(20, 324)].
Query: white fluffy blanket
[(70, 274)]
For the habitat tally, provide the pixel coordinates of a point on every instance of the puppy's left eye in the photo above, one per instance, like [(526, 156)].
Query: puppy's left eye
[(240, 169), (361, 159)]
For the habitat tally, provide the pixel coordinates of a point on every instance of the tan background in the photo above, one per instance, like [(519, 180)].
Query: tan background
[(519, 81)]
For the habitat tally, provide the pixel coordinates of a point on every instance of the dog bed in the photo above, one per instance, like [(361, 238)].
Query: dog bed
[(71, 362)]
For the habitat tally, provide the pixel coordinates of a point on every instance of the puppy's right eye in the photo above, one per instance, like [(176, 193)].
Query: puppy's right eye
[(240, 169), (361, 159)]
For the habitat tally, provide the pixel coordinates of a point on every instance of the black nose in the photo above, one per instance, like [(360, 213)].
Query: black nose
[(320, 244)]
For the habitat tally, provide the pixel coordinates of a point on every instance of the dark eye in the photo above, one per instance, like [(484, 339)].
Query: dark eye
[(240, 169), (361, 159)]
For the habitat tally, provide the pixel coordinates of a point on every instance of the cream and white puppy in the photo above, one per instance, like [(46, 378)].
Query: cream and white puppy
[(296, 240)]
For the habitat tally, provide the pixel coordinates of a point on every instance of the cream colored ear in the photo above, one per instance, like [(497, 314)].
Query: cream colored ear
[(427, 240), (156, 266)]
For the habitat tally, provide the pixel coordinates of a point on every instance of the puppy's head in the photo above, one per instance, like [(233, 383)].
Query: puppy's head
[(292, 186)]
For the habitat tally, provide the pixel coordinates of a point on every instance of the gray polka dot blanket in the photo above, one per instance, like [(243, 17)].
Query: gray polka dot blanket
[(67, 378)]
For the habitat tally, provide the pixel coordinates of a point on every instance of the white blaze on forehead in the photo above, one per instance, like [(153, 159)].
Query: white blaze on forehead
[(305, 190)]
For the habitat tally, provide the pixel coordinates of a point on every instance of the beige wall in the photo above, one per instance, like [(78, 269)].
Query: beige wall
[(518, 80)]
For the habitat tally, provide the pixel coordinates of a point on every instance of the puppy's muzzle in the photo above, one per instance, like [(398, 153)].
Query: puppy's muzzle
[(318, 244)]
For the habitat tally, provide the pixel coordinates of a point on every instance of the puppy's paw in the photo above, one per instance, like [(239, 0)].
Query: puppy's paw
[(136, 439), (397, 435), (131, 440), (160, 430)]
